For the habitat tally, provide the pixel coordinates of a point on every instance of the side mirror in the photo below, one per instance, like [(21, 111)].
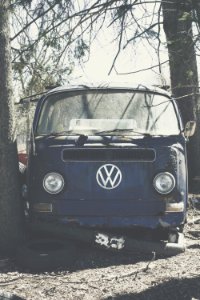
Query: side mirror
[(190, 128)]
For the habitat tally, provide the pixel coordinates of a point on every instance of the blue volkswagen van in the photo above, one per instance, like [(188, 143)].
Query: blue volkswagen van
[(108, 156)]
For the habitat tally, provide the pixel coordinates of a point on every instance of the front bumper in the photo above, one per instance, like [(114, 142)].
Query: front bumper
[(166, 221)]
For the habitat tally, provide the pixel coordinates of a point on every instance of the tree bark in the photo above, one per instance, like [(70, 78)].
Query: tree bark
[(10, 203), (177, 23), (196, 8)]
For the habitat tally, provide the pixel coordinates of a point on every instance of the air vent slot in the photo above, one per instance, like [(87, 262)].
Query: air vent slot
[(109, 154)]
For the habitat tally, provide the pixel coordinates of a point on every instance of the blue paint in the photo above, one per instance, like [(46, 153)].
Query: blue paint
[(134, 202)]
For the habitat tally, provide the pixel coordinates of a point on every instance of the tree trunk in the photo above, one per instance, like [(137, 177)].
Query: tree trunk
[(177, 23), (196, 9), (10, 203)]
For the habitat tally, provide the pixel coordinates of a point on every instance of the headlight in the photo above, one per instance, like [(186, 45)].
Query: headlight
[(164, 183), (53, 183)]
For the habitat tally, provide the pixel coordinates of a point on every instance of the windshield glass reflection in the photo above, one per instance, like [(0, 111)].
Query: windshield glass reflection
[(108, 113)]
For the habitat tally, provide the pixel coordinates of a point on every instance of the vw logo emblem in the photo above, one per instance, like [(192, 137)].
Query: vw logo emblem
[(109, 176)]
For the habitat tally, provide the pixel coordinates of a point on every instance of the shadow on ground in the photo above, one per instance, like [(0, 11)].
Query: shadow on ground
[(92, 258), (87, 258), (176, 289), (84, 256)]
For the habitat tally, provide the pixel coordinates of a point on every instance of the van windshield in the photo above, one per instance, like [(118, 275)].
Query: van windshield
[(108, 112)]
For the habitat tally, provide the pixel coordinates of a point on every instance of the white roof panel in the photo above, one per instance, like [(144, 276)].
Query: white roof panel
[(109, 85)]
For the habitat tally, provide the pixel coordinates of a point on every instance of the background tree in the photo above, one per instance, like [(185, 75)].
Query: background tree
[(177, 22), (10, 204), (40, 44), (63, 23)]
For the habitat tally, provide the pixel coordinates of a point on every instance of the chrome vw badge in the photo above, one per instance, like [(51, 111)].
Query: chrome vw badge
[(109, 176)]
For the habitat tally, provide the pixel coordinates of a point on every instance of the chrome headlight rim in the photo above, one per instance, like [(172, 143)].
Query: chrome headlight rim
[(171, 176), (61, 186)]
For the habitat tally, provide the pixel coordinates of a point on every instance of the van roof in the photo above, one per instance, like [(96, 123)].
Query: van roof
[(110, 85)]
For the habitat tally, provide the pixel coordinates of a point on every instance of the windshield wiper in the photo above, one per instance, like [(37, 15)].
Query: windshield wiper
[(61, 133), (82, 138), (118, 130)]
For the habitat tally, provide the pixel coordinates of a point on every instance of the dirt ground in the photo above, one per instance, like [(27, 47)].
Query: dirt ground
[(99, 274)]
